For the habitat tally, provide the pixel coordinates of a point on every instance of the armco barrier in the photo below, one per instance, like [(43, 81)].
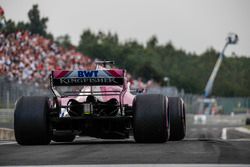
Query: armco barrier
[(6, 118), (7, 134), (7, 124)]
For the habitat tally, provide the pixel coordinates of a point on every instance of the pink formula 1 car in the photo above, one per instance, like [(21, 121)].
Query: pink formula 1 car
[(97, 103)]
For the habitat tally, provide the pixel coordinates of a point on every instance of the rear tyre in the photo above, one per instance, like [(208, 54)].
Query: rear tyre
[(248, 121), (150, 119), (63, 138), (31, 121), (177, 118)]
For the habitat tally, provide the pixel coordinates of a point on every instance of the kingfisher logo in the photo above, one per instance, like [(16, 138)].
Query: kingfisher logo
[(87, 74), (87, 81)]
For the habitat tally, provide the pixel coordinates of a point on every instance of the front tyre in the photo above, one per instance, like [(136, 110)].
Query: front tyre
[(31, 121), (150, 119)]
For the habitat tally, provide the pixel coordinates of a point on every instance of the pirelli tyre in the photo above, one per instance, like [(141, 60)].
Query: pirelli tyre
[(248, 121), (63, 138), (31, 121), (150, 118), (177, 118)]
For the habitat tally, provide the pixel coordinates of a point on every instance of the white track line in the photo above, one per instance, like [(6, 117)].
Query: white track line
[(240, 129), (224, 134), (239, 140), (243, 130), (8, 143)]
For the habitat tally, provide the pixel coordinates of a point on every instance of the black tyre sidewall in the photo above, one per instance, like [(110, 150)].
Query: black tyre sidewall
[(150, 119), (248, 121), (31, 121), (177, 118)]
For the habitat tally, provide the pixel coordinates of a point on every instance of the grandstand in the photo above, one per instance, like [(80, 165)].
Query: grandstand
[(29, 58)]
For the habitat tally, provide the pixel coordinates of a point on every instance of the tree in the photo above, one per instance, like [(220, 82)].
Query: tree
[(21, 26), (152, 42), (187, 71), (9, 27), (149, 72), (88, 43), (64, 41), (37, 24)]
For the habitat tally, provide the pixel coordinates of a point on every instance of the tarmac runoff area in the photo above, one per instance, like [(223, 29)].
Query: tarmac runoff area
[(202, 123), (204, 145), (91, 151), (146, 165), (230, 133)]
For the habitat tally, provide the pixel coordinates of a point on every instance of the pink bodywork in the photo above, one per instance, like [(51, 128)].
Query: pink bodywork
[(126, 96)]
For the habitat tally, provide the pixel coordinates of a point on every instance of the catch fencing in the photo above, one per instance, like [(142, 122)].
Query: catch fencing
[(194, 103), (223, 105), (10, 91)]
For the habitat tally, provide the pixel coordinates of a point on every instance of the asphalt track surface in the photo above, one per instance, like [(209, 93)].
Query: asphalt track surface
[(202, 145)]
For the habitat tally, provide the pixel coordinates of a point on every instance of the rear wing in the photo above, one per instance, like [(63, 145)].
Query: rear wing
[(88, 77)]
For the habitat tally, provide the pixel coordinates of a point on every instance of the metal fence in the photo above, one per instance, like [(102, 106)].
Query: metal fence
[(224, 105), (194, 103), (10, 91)]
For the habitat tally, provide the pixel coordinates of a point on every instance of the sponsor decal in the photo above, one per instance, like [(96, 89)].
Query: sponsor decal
[(87, 74), (85, 77), (87, 81)]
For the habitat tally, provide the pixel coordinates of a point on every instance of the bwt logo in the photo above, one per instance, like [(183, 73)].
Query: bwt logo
[(87, 74)]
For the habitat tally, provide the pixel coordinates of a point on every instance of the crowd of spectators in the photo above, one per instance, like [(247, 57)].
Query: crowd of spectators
[(29, 58)]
